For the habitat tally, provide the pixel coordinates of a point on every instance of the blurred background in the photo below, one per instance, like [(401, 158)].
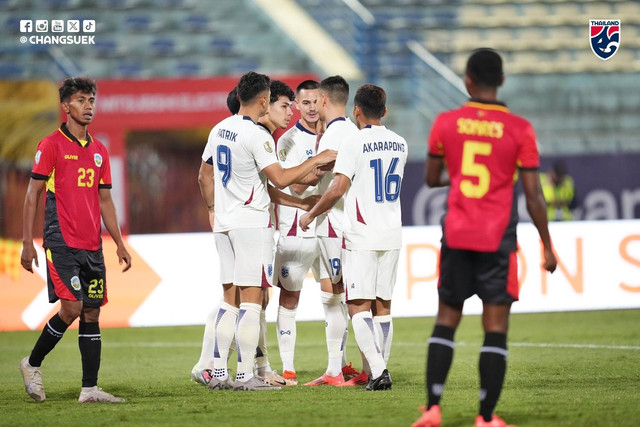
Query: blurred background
[(164, 68)]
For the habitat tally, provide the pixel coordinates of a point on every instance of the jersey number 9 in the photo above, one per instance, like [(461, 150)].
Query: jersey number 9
[(223, 159)]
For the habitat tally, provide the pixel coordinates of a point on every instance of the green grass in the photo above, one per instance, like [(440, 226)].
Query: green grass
[(566, 369)]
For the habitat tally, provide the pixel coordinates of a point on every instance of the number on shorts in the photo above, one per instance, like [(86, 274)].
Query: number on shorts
[(335, 266), (392, 181), (223, 158), (96, 283)]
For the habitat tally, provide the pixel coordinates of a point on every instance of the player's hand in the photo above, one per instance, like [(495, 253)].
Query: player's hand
[(309, 202), (28, 256), (326, 157), (123, 256), (304, 222), (211, 218), (550, 262)]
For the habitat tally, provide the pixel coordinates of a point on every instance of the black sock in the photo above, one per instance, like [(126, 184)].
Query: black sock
[(90, 347), (50, 336), (493, 366), (439, 357)]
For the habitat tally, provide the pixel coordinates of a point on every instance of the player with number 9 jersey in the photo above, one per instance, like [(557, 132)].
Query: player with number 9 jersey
[(235, 146), (482, 143)]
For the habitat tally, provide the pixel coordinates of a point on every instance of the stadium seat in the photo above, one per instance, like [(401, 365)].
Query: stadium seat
[(11, 71)]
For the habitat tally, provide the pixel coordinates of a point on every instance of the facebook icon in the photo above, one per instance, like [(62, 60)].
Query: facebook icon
[(26, 26)]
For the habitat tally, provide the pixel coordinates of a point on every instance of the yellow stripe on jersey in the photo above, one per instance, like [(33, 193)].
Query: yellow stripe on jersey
[(51, 182), (483, 106), (49, 255)]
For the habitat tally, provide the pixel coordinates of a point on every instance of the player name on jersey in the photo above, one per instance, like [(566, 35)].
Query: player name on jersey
[(383, 146), (227, 134)]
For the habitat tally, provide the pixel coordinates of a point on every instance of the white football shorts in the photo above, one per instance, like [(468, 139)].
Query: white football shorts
[(246, 256), (294, 257), (370, 274), (331, 258)]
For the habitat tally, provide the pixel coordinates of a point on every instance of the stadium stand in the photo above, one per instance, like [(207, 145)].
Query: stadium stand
[(416, 49)]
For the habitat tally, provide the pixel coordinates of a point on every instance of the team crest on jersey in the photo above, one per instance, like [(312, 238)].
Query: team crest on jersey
[(268, 146), (270, 270), (38, 155), (97, 158), (284, 271), (604, 37), (282, 155), (75, 283)]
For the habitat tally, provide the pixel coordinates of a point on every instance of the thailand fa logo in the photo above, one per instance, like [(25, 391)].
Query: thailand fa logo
[(604, 37)]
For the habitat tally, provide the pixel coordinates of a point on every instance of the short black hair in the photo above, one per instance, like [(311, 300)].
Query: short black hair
[(278, 89), (371, 99), (233, 104), (336, 88), (250, 85), (484, 67), (73, 85), (307, 85)]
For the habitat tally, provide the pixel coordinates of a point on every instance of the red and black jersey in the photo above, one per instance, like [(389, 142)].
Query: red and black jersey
[(75, 171), (482, 144)]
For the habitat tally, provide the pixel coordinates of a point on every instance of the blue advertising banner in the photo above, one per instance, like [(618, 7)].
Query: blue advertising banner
[(607, 187)]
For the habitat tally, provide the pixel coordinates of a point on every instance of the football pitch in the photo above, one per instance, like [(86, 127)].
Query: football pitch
[(564, 369)]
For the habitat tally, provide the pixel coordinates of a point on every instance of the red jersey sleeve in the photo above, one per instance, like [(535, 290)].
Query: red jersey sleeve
[(45, 160), (105, 170), (435, 147), (528, 157)]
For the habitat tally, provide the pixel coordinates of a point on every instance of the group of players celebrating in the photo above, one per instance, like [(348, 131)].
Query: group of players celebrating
[(336, 187), (320, 165)]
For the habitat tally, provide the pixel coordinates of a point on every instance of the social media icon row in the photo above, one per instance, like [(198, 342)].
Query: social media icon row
[(58, 26)]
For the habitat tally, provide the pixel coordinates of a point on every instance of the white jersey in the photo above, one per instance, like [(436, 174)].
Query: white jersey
[(295, 146), (238, 150), (339, 132), (374, 163)]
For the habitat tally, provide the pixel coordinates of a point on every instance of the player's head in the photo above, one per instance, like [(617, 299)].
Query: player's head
[(484, 69), (332, 90), (369, 104), (254, 88), (558, 171), (233, 103), (307, 101), (78, 97), (282, 97)]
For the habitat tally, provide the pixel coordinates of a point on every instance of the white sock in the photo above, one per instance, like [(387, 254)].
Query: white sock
[(345, 312), (287, 332), (206, 354), (365, 337), (247, 336), (365, 364), (384, 334), (262, 355), (335, 326), (224, 331)]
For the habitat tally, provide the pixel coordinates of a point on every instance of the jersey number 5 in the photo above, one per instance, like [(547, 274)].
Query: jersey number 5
[(471, 168), (392, 181)]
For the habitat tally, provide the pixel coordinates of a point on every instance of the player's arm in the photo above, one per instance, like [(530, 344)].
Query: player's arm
[(34, 193), (537, 208), (207, 188), (335, 191), (282, 178), (285, 199), (110, 219), (434, 168)]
